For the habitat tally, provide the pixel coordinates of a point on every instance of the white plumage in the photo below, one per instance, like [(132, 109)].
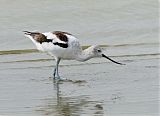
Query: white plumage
[(63, 45)]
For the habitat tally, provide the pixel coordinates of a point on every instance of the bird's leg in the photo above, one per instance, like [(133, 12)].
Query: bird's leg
[(57, 68), (56, 74)]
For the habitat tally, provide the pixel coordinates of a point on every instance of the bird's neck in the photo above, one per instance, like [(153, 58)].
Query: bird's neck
[(85, 55)]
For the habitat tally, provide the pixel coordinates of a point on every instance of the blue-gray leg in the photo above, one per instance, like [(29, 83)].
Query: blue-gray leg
[(56, 74)]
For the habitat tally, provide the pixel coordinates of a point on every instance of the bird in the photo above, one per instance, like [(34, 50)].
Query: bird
[(63, 45)]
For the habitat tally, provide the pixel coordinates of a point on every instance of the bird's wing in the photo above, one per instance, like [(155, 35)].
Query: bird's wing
[(37, 36), (58, 38)]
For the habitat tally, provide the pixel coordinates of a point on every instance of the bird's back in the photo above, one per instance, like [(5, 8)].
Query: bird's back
[(58, 43)]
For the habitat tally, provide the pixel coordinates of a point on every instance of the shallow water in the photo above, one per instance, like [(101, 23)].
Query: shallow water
[(127, 29), (97, 87), (93, 22)]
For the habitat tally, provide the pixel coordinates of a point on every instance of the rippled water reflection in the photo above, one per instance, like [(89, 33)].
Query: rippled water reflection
[(68, 106)]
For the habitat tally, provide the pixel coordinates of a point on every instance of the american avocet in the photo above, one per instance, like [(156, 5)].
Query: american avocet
[(63, 45)]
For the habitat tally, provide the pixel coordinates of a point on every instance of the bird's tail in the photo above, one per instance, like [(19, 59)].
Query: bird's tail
[(30, 33)]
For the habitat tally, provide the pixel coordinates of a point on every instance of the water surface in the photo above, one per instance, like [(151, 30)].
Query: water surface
[(93, 22), (128, 30)]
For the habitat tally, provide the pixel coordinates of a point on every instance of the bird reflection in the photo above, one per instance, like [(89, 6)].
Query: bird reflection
[(68, 105), (56, 87)]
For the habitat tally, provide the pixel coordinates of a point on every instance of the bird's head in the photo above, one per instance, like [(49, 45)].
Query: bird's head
[(98, 51)]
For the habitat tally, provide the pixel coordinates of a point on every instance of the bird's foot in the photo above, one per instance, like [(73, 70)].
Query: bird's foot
[(58, 78)]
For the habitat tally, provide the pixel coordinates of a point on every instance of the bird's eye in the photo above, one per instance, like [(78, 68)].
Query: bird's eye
[(99, 50)]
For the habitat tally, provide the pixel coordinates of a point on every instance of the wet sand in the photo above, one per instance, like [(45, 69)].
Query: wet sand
[(98, 87)]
